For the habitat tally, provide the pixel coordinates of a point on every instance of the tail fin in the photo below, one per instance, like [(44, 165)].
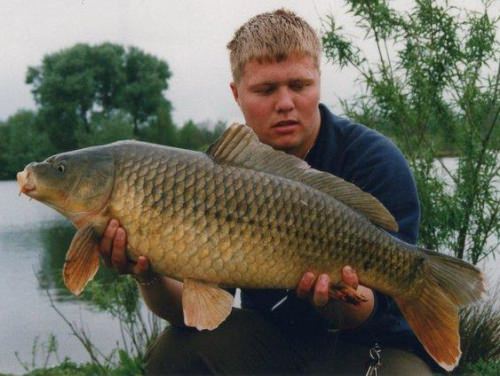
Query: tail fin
[(450, 283)]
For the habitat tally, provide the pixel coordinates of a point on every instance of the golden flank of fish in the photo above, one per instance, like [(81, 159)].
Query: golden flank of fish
[(245, 215)]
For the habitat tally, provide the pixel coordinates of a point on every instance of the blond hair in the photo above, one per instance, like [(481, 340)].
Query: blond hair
[(272, 36)]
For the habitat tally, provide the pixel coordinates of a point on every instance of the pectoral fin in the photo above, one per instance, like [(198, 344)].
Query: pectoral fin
[(205, 305), (82, 260)]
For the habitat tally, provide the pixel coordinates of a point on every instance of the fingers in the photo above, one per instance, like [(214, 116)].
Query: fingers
[(113, 247), (320, 297), (305, 285), (347, 289), (350, 277), (118, 256), (317, 288), (320, 291), (141, 267), (107, 241)]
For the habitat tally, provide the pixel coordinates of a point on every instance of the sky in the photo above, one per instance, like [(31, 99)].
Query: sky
[(191, 36)]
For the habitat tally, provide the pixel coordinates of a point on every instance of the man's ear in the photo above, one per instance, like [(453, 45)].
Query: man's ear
[(234, 90)]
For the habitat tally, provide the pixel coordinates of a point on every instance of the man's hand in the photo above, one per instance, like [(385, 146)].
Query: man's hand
[(318, 290), (329, 301), (113, 252)]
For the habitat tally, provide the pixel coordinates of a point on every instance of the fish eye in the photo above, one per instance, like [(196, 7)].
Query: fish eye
[(61, 168)]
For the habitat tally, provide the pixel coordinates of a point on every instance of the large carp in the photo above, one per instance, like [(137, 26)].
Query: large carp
[(245, 215)]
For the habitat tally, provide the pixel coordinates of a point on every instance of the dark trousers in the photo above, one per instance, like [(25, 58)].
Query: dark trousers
[(249, 344)]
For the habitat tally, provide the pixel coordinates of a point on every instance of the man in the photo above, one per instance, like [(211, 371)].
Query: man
[(275, 59)]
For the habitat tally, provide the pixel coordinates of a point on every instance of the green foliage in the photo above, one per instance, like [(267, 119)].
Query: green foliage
[(126, 367), (74, 85), (162, 129), (480, 334), (146, 79), (483, 368), (17, 137), (105, 129), (198, 136), (434, 88), (66, 368)]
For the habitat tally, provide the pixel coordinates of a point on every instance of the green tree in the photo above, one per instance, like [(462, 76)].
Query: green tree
[(434, 87), (162, 129), (74, 85), (198, 136), (211, 132), (106, 128), (21, 143), (146, 79), (3, 150), (190, 136)]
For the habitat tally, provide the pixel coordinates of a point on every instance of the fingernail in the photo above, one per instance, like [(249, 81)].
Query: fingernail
[(323, 279), (113, 223), (309, 278), (120, 234)]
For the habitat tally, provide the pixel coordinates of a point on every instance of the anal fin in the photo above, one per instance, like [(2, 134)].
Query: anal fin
[(82, 260), (205, 305)]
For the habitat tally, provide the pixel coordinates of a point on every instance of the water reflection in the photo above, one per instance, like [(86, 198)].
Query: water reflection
[(55, 242)]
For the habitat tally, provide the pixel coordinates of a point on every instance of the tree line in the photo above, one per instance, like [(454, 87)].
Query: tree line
[(89, 95)]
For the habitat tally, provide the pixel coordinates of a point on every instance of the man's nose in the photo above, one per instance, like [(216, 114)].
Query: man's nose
[(284, 102)]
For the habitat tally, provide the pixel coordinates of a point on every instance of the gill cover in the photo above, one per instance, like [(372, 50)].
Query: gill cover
[(81, 181)]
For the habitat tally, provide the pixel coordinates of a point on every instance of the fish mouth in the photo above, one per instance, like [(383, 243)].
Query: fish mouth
[(25, 182)]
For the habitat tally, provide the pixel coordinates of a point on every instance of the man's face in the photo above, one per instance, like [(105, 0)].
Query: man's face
[(279, 101)]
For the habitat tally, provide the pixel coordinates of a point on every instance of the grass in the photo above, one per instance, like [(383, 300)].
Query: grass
[(480, 337)]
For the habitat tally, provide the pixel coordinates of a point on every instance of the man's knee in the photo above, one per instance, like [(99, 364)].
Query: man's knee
[(187, 350), (399, 362), (245, 343), (175, 351)]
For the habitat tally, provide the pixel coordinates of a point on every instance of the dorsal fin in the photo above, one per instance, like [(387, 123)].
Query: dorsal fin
[(239, 146)]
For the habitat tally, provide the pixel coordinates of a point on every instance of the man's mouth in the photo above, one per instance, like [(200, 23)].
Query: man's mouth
[(285, 126), (284, 123)]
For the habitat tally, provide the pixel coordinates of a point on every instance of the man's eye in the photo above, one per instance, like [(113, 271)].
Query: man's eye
[(265, 90), (297, 85)]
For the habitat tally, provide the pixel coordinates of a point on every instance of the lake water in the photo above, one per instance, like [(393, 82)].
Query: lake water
[(33, 242)]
